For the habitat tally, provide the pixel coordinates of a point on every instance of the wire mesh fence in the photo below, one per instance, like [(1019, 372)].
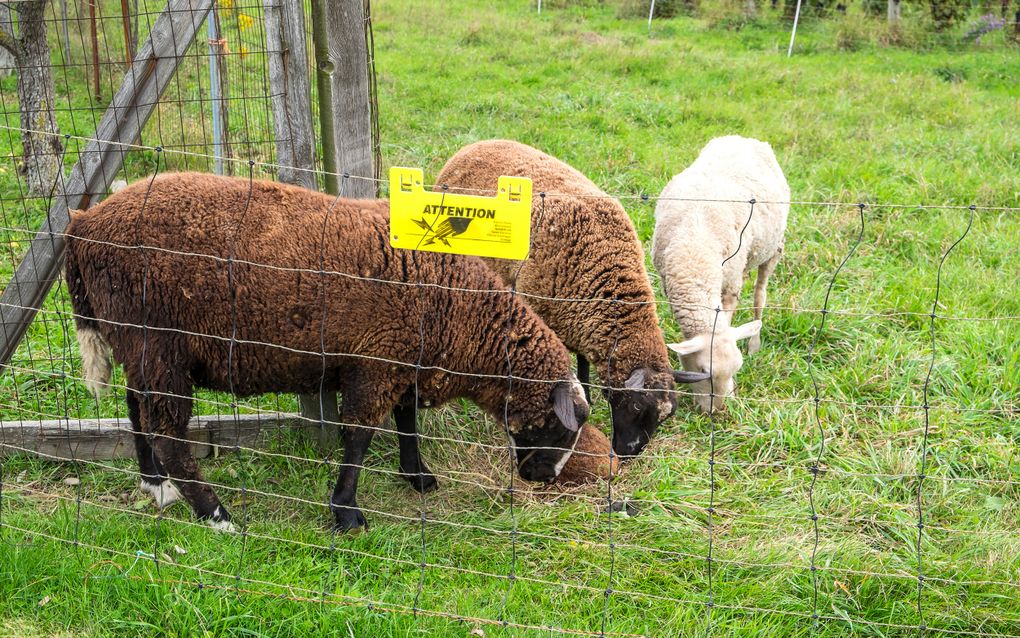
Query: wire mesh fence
[(774, 511)]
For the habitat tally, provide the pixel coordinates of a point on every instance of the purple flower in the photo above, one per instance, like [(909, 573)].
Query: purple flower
[(985, 24)]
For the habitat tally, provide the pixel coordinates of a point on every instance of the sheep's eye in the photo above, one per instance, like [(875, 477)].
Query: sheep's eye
[(636, 406)]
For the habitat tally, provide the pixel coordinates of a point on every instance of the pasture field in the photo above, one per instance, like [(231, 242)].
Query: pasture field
[(82, 552)]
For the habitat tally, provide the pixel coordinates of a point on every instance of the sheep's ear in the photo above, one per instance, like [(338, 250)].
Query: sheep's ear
[(684, 376), (746, 330), (690, 346), (636, 380), (566, 407)]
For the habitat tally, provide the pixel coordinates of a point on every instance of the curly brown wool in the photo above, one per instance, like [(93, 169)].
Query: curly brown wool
[(172, 278), (585, 247), (592, 459)]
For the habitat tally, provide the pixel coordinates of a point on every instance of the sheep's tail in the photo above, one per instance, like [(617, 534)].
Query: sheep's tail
[(96, 360), (96, 356)]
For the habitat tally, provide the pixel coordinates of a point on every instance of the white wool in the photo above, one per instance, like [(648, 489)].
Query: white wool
[(165, 492), (693, 238), (97, 367)]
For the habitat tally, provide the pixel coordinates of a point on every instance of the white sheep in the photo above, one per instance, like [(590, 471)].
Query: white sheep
[(700, 223)]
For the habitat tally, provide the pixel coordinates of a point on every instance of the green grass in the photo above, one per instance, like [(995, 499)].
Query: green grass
[(933, 124)]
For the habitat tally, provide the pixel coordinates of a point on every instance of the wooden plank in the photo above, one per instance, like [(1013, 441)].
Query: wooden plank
[(103, 157), (106, 439), (352, 110)]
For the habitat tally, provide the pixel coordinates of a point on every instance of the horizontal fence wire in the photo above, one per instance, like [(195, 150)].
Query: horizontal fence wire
[(602, 387), (171, 149), (1005, 410), (334, 598), (729, 516), (744, 609), (490, 291), (455, 568), (904, 575), (445, 439), (309, 422)]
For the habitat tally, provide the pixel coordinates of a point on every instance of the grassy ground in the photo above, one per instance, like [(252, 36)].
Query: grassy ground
[(862, 123)]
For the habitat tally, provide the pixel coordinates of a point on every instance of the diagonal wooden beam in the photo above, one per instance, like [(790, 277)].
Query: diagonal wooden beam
[(103, 157)]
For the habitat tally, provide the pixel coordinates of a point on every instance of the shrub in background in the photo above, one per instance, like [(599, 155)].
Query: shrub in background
[(854, 31), (946, 13)]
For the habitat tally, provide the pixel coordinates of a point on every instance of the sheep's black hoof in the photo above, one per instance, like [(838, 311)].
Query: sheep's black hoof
[(349, 519), (423, 483)]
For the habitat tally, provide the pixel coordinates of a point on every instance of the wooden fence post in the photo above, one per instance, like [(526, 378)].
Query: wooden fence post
[(295, 150), (893, 12), (351, 92)]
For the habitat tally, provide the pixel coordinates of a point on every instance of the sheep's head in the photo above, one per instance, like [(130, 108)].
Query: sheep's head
[(543, 451), (720, 357), (645, 400)]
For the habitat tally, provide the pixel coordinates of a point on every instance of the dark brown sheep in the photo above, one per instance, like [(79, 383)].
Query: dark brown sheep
[(185, 256), (584, 247)]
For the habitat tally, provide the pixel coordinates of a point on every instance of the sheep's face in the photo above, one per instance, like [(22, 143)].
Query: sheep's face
[(646, 400), (719, 356), (543, 451), (722, 361)]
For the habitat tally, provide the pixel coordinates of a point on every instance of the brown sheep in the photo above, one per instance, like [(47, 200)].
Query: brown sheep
[(592, 459), (584, 247), (169, 277)]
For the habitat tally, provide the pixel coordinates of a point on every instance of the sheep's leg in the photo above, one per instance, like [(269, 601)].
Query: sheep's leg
[(164, 417), (760, 284), (584, 375), (344, 502), (370, 393), (154, 478), (412, 467)]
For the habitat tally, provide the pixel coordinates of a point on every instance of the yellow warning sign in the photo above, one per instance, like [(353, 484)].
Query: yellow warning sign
[(444, 222)]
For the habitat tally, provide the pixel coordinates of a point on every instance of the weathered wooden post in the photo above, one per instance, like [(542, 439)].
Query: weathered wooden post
[(351, 95), (291, 92), (94, 39), (65, 31), (129, 45), (7, 60), (893, 11), (323, 69), (345, 91), (217, 91), (295, 150)]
